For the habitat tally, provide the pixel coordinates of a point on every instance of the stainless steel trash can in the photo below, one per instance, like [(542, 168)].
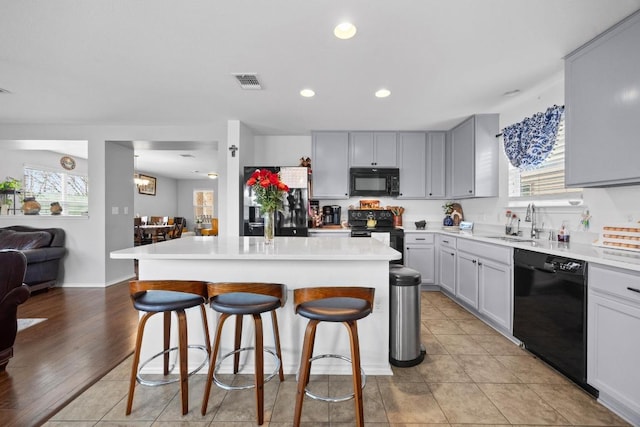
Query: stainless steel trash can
[(405, 348)]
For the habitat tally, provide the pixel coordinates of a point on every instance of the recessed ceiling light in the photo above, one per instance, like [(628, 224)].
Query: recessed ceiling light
[(345, 31), (383, 93), (307, 93), (511, 93), (212, 175)]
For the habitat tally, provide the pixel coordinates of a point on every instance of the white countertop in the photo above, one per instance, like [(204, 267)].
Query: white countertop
[(613, 257), (284, 248)]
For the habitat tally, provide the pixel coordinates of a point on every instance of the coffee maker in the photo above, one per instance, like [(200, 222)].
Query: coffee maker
[(331, 215)]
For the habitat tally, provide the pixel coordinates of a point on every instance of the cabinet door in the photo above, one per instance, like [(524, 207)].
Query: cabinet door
[(612, 350), (436, 160), (494, 283), (368, 149), (361, 149), (330, 153), (422, 259), (447, 270), (467, 279), (385, 149), (462, 170), (602, 104), (413, 153)]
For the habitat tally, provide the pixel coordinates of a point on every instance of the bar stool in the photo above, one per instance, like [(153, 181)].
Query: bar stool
[(239, 299), (332, 304), (166, 296)]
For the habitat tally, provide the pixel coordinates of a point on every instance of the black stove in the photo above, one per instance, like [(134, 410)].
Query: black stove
[(358, 218)]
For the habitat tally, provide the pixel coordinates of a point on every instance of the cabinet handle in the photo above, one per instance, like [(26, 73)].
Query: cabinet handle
[(470, 191), (479, 263), (445, 241), (633, 289), (420, 238), (452, 254), (431, 194), (474, 261)]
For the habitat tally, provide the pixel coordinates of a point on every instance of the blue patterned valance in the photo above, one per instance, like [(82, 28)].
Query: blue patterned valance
[(527, 144)]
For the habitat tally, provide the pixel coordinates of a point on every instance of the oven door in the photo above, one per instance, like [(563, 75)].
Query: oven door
[(393, 238)]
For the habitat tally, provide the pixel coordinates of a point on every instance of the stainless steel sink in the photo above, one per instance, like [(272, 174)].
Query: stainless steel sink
[(511, 239)]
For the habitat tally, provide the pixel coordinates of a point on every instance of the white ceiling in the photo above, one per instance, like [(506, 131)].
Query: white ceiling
[(163, 62)]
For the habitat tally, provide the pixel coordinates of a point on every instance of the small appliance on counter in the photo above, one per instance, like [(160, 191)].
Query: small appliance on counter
[(331, 214)]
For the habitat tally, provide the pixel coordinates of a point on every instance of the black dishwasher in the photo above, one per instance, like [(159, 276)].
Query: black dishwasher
[(550, 311)]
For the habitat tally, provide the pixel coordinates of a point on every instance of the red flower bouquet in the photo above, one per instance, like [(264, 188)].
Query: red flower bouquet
[(268, 189)]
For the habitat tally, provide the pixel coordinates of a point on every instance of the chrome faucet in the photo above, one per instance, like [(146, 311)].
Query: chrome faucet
[(531, 217)]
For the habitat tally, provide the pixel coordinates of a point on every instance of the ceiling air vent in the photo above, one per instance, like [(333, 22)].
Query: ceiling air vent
[(248, 81)]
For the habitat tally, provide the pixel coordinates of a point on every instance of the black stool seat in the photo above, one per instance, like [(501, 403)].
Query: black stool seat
[(159, 301), (335, 309), (244, 303)]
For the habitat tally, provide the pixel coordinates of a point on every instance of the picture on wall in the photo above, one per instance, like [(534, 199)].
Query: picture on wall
[(149, 188)]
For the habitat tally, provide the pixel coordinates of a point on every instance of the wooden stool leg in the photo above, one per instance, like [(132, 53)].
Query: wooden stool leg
[(205, 326), (259, 368), (167, 340), (136, 360), (276, 338), (305, 368), (212, 363), (182, 349), (355, 365), (236, 343)]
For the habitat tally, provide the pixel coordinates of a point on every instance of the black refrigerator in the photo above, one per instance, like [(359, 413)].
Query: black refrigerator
[(291, 220)]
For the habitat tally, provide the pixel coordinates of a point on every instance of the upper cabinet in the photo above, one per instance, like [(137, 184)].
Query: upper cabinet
[(602, 107), (436, 165), (330, 154), (422, 165), (377, 149), (473, 158), (413, 160)]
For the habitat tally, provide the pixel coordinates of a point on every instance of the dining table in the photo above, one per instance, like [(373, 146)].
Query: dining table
[(155, 230)]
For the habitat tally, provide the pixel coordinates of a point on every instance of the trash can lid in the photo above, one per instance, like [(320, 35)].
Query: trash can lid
[(400, 275)]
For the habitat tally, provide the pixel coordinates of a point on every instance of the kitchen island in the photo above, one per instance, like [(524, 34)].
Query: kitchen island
[(294, 261)]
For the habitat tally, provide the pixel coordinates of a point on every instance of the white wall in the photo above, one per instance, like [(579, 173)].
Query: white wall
[(281, 150), (164, 203)]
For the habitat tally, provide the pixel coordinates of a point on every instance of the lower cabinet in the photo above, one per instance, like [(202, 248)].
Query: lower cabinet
[(447, 264), (419, 254), (467, 279), (613, 346), (484, 280)]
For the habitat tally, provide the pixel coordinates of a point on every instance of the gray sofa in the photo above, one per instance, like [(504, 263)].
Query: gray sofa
[(43, 248)]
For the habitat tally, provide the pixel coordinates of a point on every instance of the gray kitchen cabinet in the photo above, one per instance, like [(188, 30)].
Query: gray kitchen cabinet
[(447, 263), (473, 158), (613, 319), (330, 154), (484, 280), (419, 254), (467, 279), (412, 147), (378, 149), (436, 165), (602, 107)]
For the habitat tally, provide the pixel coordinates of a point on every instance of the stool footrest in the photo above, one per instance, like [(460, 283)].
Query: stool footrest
[(154, 383), (337, 398), (225, 386)]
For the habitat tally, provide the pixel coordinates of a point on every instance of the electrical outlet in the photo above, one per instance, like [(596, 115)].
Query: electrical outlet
[(125, 210), (115, 210)]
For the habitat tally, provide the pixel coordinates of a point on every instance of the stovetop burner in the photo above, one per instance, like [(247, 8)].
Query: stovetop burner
[(357, 219)]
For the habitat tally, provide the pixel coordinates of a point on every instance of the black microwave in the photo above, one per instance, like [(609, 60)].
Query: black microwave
[(374, 182)]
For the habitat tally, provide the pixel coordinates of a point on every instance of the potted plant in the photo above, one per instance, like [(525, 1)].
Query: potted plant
[(10, 185)]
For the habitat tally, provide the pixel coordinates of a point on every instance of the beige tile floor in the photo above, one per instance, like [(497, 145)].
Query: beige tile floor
[(471, 376)]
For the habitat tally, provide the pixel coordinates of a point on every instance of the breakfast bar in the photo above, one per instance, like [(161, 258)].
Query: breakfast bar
[(293, 261)]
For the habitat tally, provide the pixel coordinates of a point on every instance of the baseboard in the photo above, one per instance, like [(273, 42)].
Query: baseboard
[(96, 285)]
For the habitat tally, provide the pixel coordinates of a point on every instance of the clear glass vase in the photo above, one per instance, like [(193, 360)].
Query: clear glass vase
[(269, 227)]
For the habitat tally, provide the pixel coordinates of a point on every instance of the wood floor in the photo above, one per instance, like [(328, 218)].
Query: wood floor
[(88, 332)]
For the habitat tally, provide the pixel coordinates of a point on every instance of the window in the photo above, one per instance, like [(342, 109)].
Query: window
[(547, 181), (203, 204), (70, 190)]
